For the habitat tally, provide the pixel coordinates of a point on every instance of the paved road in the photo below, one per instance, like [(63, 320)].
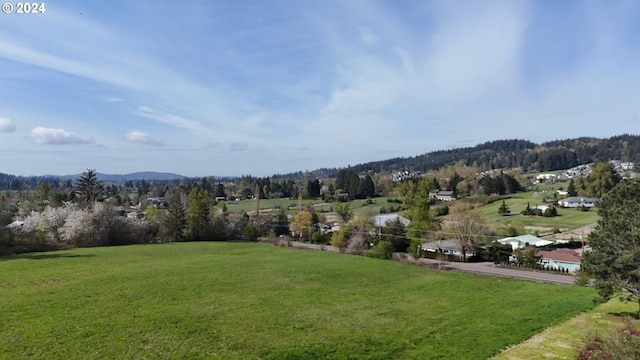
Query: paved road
[(479, 268), (490, 269)]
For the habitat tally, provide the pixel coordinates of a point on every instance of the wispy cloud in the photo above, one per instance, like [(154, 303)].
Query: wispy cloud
[(142, 138), (238, 146), (113, 99), (50, 136), (367, 36), (212, 145), (172, 119), (7, 125)]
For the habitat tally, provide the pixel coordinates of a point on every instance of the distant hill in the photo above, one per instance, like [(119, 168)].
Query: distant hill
[(548, 156), (498, 154), (142, 175)]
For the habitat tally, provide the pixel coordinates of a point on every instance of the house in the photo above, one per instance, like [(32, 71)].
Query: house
[(542, 208), (627, 166), (447, 247), (550, 177), (522, 241), (576, 201), (560, 259), (12, 201), (442, 195), (562, 192), (15, 224), (381, 220)]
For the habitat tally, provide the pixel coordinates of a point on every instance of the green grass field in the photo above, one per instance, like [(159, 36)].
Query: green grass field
[(248, 300), (291, 205), (567, 219)]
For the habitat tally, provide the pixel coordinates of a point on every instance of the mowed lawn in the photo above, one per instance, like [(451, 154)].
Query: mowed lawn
[(249, 300), (567, 219), (291, 205)]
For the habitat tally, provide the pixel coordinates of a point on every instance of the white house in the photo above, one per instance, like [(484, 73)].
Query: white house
[(542, 208), (521, 241), (551, 177), (447, 247), (442, 195), (381, 220), (561, 259), (576, 201)]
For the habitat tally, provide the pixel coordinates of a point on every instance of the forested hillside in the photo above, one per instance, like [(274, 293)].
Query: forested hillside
[(548, 156)]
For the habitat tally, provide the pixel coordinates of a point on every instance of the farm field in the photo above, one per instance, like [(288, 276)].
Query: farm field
[(249, 300)]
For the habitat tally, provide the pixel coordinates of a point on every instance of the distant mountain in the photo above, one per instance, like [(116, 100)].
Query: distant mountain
[(142, 175)]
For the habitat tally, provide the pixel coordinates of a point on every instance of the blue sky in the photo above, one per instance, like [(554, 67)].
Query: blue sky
[(263, 87)]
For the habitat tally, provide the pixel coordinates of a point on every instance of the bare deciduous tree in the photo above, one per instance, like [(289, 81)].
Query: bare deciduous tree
[(468, 227)]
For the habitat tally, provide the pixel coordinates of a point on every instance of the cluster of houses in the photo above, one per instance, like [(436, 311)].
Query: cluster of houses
[(400, 176), (557, 259), (620, 167), (562, 259)]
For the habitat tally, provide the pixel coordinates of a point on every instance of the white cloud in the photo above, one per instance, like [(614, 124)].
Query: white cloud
[(50, 136), (7, 125), (142, 138)]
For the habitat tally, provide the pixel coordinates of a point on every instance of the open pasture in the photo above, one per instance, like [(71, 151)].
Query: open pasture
[(249, 300)]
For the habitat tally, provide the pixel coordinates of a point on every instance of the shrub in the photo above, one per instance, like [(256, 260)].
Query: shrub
[(622, 344), (442, 210), (339, 240), (381, 250)]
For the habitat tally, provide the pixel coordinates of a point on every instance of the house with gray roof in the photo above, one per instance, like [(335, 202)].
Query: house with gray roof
[(576, 201)]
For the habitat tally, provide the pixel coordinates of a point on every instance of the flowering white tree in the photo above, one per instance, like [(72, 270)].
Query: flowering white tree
[(55, 218), (32, 223), (76, 225), (96, 224)]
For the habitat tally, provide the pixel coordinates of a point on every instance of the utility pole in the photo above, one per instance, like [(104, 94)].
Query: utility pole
[(257, 195)]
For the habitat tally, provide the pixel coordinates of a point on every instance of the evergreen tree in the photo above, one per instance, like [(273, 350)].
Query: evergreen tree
[(454, 181), (175, 222), (571, 190), (220, 191), (368, 187), (615, 257), (87, 187), (198, 214), (281, 224), (313, 188), (503, 209)]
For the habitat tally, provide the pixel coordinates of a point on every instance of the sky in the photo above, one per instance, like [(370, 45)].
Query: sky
[(229, 88)]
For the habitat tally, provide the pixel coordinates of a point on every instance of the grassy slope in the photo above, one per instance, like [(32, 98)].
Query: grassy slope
[(564, 340), (245, 300), (290, 205)]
